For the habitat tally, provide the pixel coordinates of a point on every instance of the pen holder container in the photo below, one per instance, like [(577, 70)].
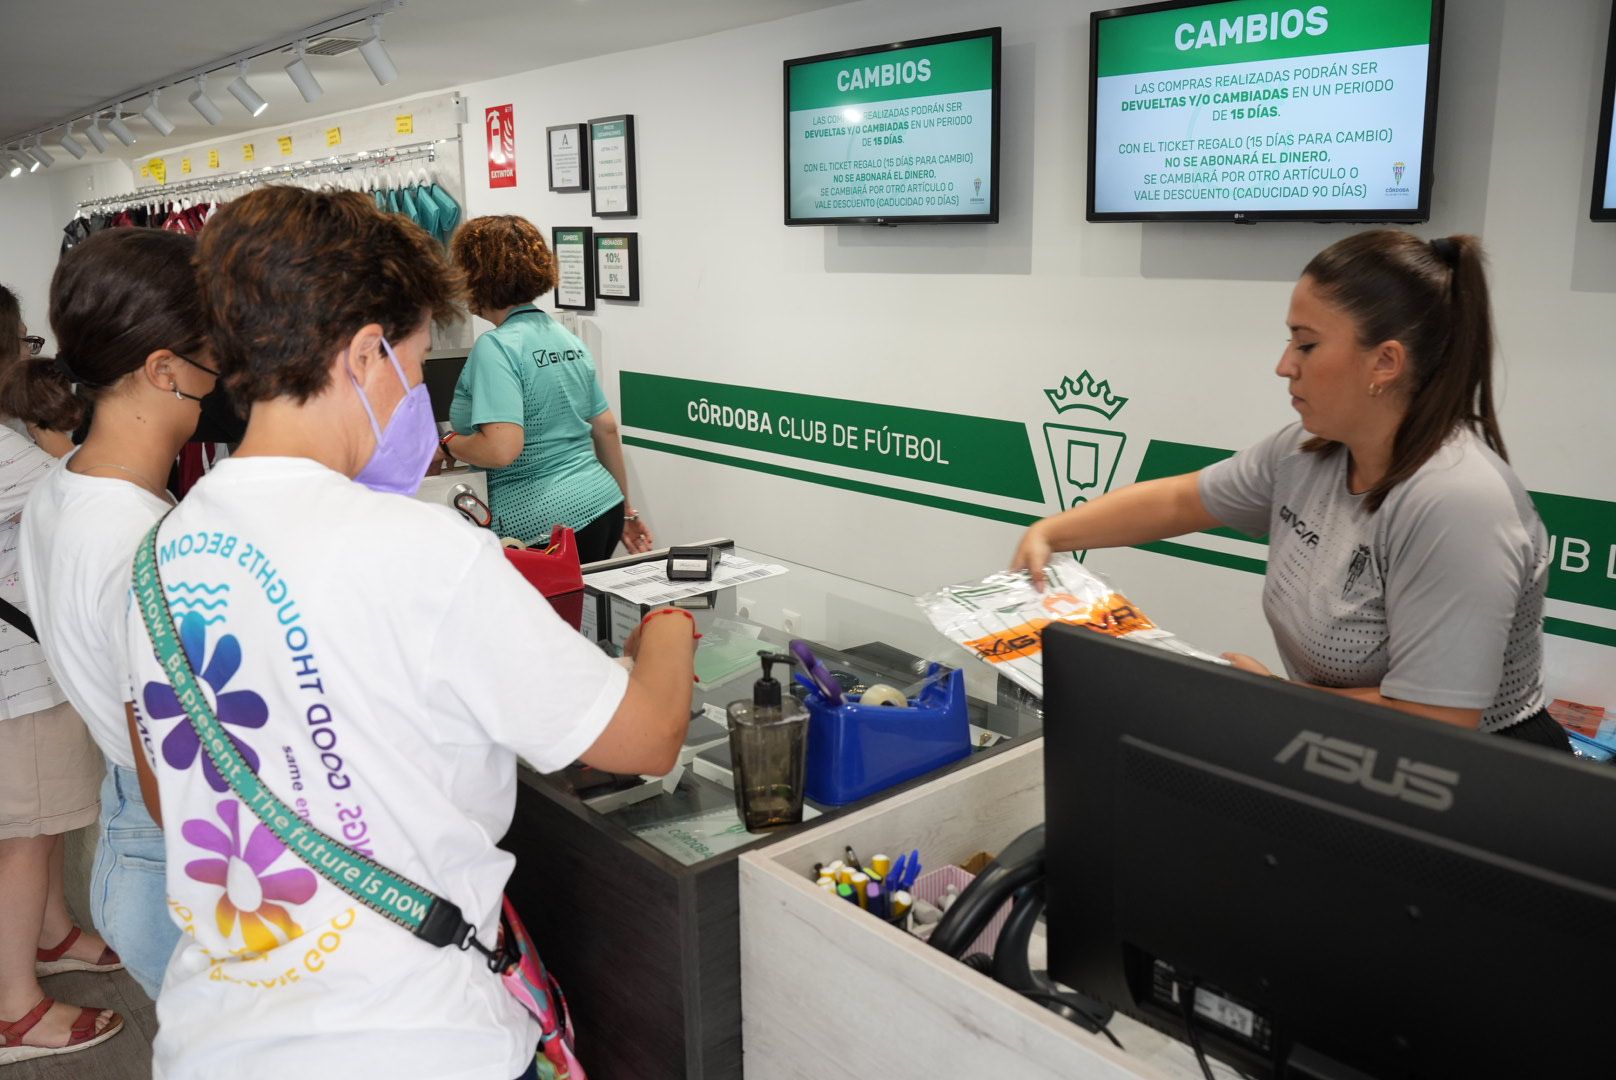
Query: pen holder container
[(856, 750)]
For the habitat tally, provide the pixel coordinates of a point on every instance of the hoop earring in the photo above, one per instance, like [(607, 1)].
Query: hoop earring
[(177, 395), (1375, 389)]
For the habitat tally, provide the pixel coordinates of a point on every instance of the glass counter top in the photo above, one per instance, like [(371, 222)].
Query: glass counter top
[(863, 632)]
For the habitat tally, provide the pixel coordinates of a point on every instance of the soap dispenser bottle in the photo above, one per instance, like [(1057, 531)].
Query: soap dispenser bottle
[(768, 743)]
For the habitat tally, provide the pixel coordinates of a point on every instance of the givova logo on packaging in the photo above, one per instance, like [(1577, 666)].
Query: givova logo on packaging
[(1083, 459)]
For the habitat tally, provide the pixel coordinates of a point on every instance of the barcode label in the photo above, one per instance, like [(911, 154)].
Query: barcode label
[(680, 594)]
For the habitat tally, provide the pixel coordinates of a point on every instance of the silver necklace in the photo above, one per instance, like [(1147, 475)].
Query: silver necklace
[(144, 482)]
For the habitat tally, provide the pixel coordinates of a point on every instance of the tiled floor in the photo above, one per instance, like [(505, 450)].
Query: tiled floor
[(125, 1056)]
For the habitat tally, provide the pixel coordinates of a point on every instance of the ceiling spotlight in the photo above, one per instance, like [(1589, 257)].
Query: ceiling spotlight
[(375, 54), (40, 153), (70, 144), (93, 133), (154, 116), (244, 93), (302, 77), (203, 104), (120, 129), (12, 164)]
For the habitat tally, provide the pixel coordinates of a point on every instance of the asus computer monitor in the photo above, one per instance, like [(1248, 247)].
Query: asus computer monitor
[(1340, 889)]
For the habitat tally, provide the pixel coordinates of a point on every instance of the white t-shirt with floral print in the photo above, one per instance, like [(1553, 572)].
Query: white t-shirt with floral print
[(381, 666)]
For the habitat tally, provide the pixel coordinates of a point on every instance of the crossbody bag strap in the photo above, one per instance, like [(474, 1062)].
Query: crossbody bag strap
[(430, 917), (14, 617)]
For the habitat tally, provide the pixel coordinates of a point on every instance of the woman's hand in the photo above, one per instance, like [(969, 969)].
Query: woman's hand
[(636, 537), (1246, 663), (1033, 554), (439, 462)]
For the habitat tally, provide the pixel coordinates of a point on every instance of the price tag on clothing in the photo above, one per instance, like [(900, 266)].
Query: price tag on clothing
[(404, 125), (286, 145), (333, 136), (213, 159)]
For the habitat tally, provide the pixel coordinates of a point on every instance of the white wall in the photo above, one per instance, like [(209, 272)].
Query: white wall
[(1185, 320), (33, 209)]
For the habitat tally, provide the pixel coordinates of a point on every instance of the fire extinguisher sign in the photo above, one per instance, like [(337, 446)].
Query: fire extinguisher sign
[(501, 129)]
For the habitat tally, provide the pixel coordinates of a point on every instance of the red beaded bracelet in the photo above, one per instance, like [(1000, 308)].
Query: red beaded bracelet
[(675, 611)]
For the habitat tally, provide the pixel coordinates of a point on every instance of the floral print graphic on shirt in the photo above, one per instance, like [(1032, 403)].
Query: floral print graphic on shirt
[(234, 708), (252, 897)]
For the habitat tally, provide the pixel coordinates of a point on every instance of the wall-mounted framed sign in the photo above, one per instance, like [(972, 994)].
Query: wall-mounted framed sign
[(611, 156), (617, 265), (569, 157), (575, 268)]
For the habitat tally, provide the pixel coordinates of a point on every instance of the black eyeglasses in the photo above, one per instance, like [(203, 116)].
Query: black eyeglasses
[(35, 343)]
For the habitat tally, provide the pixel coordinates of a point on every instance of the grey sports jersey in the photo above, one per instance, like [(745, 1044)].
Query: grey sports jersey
[(1437, 598)]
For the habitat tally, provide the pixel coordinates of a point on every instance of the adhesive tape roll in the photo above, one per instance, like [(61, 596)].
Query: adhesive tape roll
[(513, 542), (882, 694)]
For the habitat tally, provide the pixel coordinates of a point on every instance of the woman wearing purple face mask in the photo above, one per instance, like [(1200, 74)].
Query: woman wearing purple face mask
[(375, 661)]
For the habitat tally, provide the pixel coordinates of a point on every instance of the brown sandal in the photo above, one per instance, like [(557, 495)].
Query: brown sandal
[(55, 961), (81, 1036)]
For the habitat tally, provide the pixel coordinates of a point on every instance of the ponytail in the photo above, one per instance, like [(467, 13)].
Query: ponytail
[(36, 392), (114, 300), (1433, 298)]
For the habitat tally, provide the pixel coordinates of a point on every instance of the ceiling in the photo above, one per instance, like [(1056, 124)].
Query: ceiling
[(60, 58)]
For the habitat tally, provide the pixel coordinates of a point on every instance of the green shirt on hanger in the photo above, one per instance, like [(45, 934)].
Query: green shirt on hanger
[(448, 212), (426, 210)]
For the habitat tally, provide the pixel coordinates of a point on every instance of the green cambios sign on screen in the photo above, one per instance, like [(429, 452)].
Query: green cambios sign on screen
[(951, 67), (1246, 31)]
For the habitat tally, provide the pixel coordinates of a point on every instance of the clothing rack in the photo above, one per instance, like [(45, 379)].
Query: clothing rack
[(228, 185)]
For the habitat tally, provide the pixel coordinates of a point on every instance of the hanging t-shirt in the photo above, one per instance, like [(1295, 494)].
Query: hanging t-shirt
[(26, 682), (381, 665), (530, 370), (1436, 598), (78, 541), (448, 212), (426, 210)]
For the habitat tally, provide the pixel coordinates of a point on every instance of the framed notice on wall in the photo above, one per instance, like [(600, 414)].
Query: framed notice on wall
[(611, 155), (569, 157), (575, 268), (617, 266)]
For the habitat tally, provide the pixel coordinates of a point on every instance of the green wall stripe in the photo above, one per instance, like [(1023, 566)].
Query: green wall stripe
[(992, 513), (1202, 555), (1597, 635)]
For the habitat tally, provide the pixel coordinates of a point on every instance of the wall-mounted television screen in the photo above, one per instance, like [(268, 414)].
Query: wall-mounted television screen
[(1604, 208), (906, 132), (1249, 110)]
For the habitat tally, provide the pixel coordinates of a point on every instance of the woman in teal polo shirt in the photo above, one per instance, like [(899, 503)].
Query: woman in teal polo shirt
[(529, 408)]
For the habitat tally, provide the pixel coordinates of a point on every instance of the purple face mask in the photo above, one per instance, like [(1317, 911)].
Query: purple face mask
[(405, 448)]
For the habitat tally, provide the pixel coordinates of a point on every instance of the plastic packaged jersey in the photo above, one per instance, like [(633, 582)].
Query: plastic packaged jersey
[(1001, 618)]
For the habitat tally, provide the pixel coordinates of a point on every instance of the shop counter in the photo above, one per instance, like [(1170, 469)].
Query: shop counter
[(630, 888)]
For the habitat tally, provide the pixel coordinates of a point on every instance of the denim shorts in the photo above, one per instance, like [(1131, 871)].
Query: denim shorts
[(128, 883)]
